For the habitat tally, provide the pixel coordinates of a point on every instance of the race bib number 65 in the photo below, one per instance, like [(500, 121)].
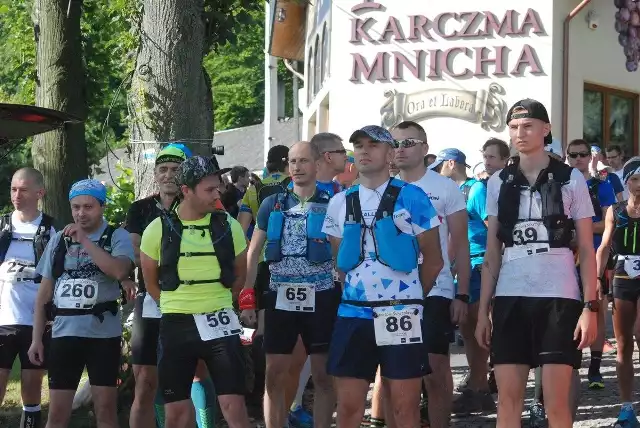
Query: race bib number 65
[(76, 294), (397, 327), (296, 297)]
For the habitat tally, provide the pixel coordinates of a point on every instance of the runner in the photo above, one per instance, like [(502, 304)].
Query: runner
[(191, 260), (302, 299), (621, 224), (146, 321), (81, 269), (444, 308), (537, 318), (615, 160), (379, 319), (24, 235)]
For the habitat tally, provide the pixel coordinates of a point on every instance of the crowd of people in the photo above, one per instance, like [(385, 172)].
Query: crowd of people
[(349, 268)]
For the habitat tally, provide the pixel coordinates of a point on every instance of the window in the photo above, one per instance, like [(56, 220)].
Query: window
[(318, 66), (610, 116), (325, 53), (310, 80)]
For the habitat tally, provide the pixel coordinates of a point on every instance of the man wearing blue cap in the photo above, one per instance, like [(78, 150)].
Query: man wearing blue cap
[(81, 269), (378, 230)]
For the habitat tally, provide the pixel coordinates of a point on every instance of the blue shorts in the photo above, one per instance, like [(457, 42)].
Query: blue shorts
[(474, 284), (354, 353)]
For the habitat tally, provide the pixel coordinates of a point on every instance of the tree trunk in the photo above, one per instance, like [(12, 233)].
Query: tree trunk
[(170, 97), (60, 155)]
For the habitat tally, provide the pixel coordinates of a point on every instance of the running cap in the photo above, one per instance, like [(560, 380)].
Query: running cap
[(632, 167), (175, 152), (375, 133), (193, 170), (278, 154), (89, 187), (450, 154), (533, 110)]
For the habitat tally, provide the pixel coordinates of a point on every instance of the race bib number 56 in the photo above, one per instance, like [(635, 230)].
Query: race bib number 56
[(397, 327), (76, 294), (218, 324)]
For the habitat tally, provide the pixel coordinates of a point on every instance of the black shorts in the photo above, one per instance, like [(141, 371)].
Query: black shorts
[(15, 341), (69, 356), (144, 337), (263, 277), (180, 349), (535, 331), (626, 289), (282, 328), (438, 328)]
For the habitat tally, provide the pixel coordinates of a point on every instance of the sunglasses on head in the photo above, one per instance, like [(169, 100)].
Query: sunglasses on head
[(575, 155), (407, 143)]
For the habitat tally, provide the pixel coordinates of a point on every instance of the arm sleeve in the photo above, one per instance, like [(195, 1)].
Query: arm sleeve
[(262, 219), (423, 214), (616, 183), (151, 239), (455, 199), (493, 191), (333, 220), (581, 206), (477, 203), (606, 194), (121, 245), (45, 265), (249, 201)]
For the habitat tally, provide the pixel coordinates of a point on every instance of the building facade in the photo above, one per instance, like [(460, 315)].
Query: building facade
[(456, 67)]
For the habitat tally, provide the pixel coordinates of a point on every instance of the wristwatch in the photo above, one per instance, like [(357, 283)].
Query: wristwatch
[(463, 297), (592, 305)]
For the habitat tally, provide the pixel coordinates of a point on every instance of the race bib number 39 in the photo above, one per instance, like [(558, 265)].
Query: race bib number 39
[(530, 238), (218, 324), (17, 271), (76, 294), (632, 266), (296, 297), (397, 327)]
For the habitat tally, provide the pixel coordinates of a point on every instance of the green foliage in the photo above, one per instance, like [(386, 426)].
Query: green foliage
[(120, 197)]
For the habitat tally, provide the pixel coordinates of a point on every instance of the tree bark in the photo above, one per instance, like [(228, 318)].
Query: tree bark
[(170, 97), (60, 155)]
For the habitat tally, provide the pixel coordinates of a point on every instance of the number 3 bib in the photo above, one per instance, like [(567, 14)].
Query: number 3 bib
[(296, 297), (76, 294), (397, 327), (222, 323), (632, 266), (530, 238)]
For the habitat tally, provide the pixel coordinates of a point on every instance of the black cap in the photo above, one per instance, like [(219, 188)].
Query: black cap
[(193, 170), (278, 154), (375, 133), (534, 110)]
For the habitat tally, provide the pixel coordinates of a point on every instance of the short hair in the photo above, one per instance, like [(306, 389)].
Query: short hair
[(614, 148), (429, 157), (411, 124), (503, 147), (325, 141), (237, 172), (33, 174), (313, 148), (579, 142)]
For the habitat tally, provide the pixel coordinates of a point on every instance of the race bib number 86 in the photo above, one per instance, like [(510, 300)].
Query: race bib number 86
[(397, 327)]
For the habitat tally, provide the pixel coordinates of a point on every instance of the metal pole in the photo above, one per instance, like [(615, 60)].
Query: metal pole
[(270, 80), (296, 103)]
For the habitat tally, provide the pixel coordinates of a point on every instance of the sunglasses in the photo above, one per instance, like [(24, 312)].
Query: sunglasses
[(407, 143), (575, 155), (340, 151)]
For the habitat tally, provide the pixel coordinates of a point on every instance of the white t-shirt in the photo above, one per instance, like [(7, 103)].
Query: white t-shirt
[(625, 192), (17, 292), (372, 280), (550, 274), (446, 198)]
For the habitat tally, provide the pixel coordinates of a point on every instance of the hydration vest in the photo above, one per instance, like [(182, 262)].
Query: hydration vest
[(466, 189), (263, 191), (86, 271), (223, 249), (40, 239), (318, 248), (625, 233), (594, 187), (549, 184), (393, 248)]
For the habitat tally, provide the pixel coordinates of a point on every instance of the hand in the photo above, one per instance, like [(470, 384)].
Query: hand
[(130, 289), (248, 317), (587, 329), (75, 233), (36, 353), (459, 311), (483, 331)]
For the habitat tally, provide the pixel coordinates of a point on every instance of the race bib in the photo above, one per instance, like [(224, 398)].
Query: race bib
[(527, 237), (150, 308), (397, 327), (17, 271), (76, 294), (632, 266), (218, 324), (296, 297)]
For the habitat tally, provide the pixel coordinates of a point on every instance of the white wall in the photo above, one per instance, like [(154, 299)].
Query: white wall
[(353, 105)]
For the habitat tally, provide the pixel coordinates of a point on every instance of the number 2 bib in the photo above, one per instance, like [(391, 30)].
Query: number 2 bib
[(17, 271), (222, 323), (76, 294), (296, 297), (397, 327), (632, 266), (530, 238)]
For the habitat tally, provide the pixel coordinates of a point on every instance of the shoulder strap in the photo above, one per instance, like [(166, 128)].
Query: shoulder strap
[(353, 208), (466, 189), (223, 246), (389, 198), (59, 254)]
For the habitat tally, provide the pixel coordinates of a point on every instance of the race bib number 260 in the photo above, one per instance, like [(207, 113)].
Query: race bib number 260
[(76, 294), (397, 327)]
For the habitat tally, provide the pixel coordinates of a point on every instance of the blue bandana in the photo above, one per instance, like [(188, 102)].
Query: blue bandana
[(89, 187)]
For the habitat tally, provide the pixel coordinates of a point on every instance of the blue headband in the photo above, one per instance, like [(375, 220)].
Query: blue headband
[(89, 187)]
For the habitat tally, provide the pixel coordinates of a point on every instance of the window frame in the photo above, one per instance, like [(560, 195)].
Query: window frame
[(607, 92)]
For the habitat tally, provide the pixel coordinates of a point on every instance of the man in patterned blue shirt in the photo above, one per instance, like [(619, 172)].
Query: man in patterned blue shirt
[(378, 231)]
